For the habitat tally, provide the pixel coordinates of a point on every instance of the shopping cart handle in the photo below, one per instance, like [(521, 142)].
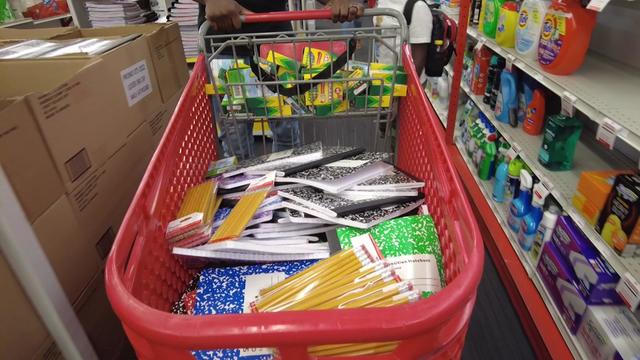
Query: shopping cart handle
[(283, 16)]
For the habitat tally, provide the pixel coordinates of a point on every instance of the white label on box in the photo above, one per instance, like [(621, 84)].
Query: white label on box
[(597, 5), (348, 163), (421, 270), (607, 133), (136, 82), (252, 286), (629, 290)]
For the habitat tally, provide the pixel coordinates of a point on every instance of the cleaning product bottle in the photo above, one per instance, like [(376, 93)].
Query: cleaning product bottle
[(522, 204), (496, 84), (565, 37), (513, 181), (530, 222), (486, 167), (481, 58), (530, 20), (491, 13), (544, 232), (476, 10), (500, 181), (534, 119), (443, 90), (491, 77), (525, 95), (507, 102), (561, 134), (483, 10), (507, 22)]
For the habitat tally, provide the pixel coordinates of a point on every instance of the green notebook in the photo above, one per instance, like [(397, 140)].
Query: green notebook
[(411, 245)]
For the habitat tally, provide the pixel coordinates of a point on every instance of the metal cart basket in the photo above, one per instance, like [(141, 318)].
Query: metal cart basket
[(144, 279)]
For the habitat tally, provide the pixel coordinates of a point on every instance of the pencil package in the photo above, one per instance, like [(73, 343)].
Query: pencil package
[(195, 216)]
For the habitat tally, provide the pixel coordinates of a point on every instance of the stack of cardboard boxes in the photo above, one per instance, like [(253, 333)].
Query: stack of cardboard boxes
[(76, 135)]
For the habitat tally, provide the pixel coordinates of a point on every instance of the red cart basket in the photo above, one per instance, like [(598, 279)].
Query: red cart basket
[(143, 278)]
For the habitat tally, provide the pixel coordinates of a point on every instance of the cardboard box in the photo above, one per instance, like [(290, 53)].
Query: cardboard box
[(610, 332), (592, 192), (25, 159), (86, 107), (36, 34), (597, 280), (165, 47), (562, 285)]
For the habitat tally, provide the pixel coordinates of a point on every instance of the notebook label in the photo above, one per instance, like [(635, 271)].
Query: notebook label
[(136, 82), (421, 270), (252, 286), (348, 163), (280, 155)]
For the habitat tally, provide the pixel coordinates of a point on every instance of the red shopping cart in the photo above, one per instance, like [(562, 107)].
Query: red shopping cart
[(143, 279)]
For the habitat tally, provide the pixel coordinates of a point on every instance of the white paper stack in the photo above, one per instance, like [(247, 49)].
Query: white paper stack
[(115, 13), (185, 13)]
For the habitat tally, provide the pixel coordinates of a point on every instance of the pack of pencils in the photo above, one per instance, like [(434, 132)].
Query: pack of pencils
[(353, 278), (192, 226)]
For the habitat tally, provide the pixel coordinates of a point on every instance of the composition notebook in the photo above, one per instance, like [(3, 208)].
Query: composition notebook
[(411, 245), (342, 174), (394, 180), (291, 157), (329, 155), (230, 290), (339, 205)]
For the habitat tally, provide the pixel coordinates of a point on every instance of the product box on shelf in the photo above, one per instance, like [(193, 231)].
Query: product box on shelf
[(85, 107), (610, 332), (592, 192), (562, 284), (618, 223), (597, 280)]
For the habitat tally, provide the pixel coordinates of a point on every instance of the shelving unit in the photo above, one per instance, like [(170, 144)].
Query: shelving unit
[(501, 211)]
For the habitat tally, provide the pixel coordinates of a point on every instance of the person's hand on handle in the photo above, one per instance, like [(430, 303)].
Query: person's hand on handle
[(224, 15), (345, 10)]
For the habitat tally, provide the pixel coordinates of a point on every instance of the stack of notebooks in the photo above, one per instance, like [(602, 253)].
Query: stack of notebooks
[(279, 207), (117, 13), (185, 13)]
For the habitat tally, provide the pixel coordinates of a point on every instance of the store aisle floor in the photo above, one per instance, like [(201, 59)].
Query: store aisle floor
[(495, 331)]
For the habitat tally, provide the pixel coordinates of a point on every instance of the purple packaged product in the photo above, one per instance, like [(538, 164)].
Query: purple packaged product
[(562, 285), (596, 278)]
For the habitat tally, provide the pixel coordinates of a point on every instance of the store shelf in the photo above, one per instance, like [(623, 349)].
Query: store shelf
[(440, 110), (563, 184), (602, 88), (13, 23), (51, 19), (501, 212)]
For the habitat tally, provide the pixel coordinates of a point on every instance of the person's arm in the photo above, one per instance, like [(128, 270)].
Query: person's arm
[(344, 10), (419, 54), (223, 15)]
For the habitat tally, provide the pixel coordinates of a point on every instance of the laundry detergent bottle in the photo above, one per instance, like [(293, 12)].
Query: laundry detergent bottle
[(522, 204), (534, 118), (507, 22), (565, 37), (506, 109), (530, 18), (491, 16), (525, 95)]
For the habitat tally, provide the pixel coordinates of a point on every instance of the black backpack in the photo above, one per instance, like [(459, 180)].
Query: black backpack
[(443, 36)]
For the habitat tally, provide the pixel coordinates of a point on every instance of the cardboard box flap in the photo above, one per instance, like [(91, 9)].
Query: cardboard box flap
[(26, 34)]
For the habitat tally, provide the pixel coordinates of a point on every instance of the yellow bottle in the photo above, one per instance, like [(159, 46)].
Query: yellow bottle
[(507, 22), (482, 10)]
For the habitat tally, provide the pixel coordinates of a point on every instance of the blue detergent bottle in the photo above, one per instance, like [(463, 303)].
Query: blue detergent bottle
[(521, 205), (530, 222), (507, 102), (525, 96)]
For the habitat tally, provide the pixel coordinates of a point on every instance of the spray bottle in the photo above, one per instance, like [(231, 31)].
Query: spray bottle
[(522, 204), (544, 232), (530, 222)]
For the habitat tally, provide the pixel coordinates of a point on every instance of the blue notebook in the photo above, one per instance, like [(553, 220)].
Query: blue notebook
[(230, 290)]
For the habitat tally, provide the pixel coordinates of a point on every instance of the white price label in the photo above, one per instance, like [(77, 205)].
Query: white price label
[(516, 148), (511, 154), (547, 183), (568, 103), (536, 75), (597, 5), (607, 133), (629, 290), (481, 42), (510, 59)]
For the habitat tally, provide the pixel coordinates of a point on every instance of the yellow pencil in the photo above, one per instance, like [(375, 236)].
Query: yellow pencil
[(353, 349)]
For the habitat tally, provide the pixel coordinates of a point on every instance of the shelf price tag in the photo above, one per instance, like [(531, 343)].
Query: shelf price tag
[(597, 5), (577, 218), (481, 42), (629, 290), (568, 103), (607, 133), (510, 59), (515, 147), (546, 183)]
